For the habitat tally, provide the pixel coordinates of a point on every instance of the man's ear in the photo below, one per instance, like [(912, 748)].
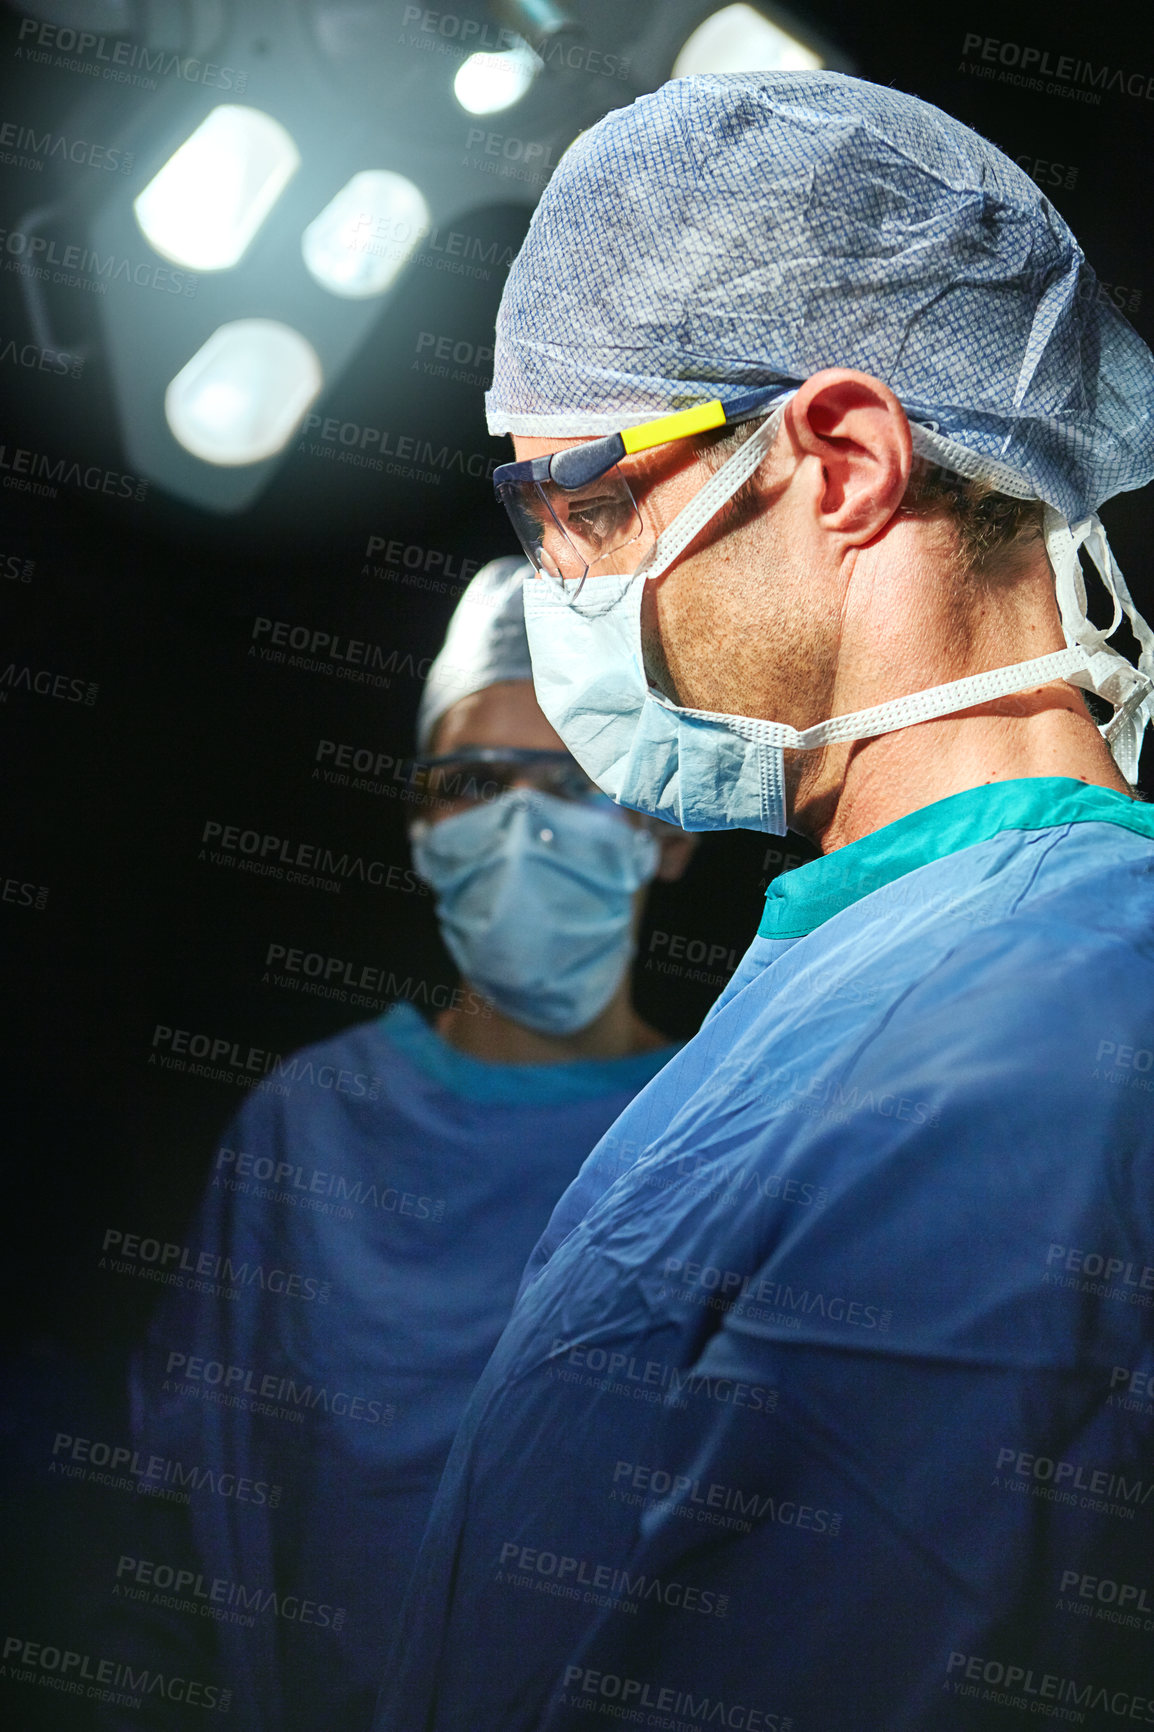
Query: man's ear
[(677, 850), (856, 429)]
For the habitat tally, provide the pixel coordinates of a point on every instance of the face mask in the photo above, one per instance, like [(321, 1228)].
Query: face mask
[(706, 771), (534, 897), (689, 767)]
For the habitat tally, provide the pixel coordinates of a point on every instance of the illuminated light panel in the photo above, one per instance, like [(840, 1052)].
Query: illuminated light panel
[(244, 393), (486, 83), (204, 206), (740, 39), (365, 236)]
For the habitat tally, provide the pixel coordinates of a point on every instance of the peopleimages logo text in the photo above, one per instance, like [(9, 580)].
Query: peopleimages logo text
[(77, 264), (210, 1596), (1023, 1688), (272, 1386), (219, 1266), (100, 1679), (118, 59), (1064, 68)]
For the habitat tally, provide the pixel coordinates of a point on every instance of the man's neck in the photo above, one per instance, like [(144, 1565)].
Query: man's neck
[(860, 787), (617, 1032)]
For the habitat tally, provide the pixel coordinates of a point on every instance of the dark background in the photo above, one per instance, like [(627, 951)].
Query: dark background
[(154, 602)]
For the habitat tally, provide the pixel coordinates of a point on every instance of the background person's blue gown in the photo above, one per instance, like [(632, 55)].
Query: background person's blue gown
[(417, 1180), (812, 1411)]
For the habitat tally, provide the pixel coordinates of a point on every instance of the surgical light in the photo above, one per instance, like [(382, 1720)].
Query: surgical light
[(365, 235), (741, 39), (244, 393), (486, 83), (204, 206), (535, 20)]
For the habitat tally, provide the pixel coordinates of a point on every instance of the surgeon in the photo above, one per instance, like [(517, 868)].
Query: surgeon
[(366, 1232), (828, 1401)]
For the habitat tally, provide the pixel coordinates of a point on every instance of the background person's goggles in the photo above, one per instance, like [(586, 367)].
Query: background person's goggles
[(574, 510), (480, 774)]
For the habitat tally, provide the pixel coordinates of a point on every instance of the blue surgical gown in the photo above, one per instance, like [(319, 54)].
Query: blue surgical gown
[(828, 1400), (354, 1259)]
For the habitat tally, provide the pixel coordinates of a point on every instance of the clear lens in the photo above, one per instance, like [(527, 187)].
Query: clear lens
[(571, 536)]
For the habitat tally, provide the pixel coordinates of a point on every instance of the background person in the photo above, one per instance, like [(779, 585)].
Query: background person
[(826, 1400), (412, 1168)]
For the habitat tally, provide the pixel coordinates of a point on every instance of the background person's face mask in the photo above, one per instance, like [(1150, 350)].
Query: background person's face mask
[(534, 898)]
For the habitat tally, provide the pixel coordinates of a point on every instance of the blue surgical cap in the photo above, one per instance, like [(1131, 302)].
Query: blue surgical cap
[(485, 644), (733, 232)]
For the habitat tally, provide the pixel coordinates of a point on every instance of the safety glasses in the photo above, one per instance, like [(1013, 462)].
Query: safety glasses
[(574, 512), (479, 774)]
